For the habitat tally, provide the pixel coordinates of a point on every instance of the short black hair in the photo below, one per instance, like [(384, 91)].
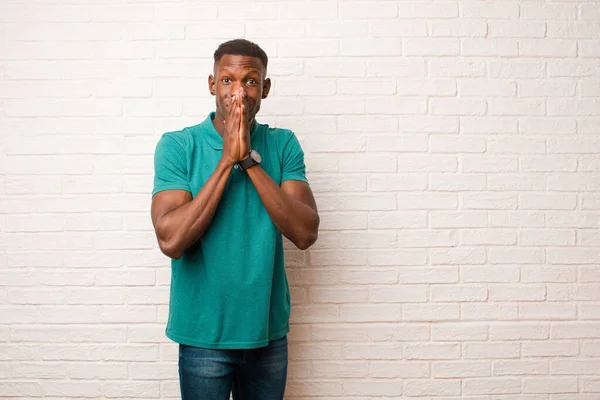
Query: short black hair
[(241, 47)]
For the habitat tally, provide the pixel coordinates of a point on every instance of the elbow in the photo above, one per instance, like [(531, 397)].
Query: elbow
[(170, 250), (309, 238)]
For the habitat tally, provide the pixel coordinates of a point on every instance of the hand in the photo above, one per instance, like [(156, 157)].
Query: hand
[(231, 136), (244, 131)]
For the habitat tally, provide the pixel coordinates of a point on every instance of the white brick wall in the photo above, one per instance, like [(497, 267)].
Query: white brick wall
[(452, 147)]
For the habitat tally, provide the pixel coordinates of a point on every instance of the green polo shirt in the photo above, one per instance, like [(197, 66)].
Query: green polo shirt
[(229, 290)]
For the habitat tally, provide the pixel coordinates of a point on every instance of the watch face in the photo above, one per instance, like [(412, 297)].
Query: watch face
[(255, 156)]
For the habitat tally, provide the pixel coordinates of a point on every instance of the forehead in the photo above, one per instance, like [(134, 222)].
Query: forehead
[(237, 63)]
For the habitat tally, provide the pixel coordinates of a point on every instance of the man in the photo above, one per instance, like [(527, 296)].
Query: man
[(225, 191)]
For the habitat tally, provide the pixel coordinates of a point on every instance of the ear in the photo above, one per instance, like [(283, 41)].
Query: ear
[(266, 88), (212, 85)]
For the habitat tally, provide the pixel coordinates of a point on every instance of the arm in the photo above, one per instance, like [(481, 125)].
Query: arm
[(292, 207), (180, 221)]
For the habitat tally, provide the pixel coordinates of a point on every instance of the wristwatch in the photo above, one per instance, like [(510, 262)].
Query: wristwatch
[(252, 159)]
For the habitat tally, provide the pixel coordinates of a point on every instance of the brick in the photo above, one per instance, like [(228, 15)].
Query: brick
[(362, 388), (474, 9), (520, 331), (545, 126), (561, 11), (397, 257), (550, 88), (509, 255), (432, 387), (337, 369), (398, 295), (493, 312), (461, 369), (489, 47), (462, 256), (520, 367), (294, 10), (458, 293), (373, 352), (145, 389), (547, 48), (432, 351), (433, 238), (524, 107), (517, 219), (566, 30), (89, 371), (489, 163), (426, 10), (569, 68), (570, 107), (489, 201), (337, 29), (549, 349), (338, 295), (369, 313), (395, 105), (548, 163), (396, 220), (573, 256), (517, 29), (399, 67), (550, 385), (467, 219), (454, 29), (456, 144), (490, 350), (397, 182), (549, 201), (547, 238), (430, 312), (547, 311), (369, 332), (399, 369), (543, 273), (517, 69), (368, 11), (449, 331), (399, 28), (458, 107), (47, 370), (369, 239), (456, 182), (444, 274), (436, 163), (522, 293), (487, 87), (326, 388)]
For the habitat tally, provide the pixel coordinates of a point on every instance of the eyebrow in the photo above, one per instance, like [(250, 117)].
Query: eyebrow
[(247, 72)]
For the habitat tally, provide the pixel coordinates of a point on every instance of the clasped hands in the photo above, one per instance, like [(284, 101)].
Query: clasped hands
[(236, 137)]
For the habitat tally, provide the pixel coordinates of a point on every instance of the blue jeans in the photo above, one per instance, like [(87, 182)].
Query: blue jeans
[(255, 374)]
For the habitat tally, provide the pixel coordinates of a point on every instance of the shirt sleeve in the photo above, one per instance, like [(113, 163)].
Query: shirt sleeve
[(293, 167), (170, 166)]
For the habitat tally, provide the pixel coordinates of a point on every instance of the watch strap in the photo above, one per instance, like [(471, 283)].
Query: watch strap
[(247, 163)]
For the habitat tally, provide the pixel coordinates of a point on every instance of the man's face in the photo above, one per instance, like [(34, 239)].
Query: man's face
[(234, 72)]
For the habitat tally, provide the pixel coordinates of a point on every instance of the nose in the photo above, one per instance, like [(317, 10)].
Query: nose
[(239, 90)]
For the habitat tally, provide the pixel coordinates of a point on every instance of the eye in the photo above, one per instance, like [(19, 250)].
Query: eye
[(226, 81), (252, 81)]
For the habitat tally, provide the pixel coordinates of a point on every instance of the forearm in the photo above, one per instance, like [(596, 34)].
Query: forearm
[(182, 227), (296, 220)]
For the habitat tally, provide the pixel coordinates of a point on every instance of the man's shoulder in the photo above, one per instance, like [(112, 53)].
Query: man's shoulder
[(182, 137), (278, 135)]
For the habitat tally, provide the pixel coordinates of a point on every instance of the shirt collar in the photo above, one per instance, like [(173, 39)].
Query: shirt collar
[(214, 139)]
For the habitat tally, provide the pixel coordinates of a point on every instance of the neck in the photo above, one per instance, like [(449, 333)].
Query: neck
[(219, 124)]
